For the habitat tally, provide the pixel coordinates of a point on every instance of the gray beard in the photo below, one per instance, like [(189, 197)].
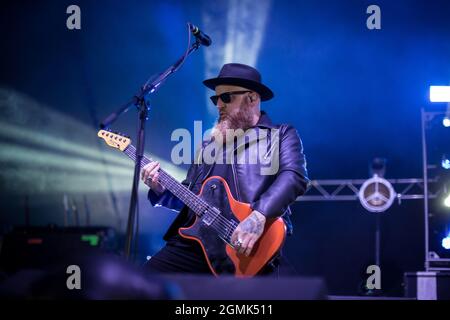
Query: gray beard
[(243, 119)]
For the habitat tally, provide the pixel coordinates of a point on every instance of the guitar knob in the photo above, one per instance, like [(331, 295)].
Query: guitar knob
[(213, 187)]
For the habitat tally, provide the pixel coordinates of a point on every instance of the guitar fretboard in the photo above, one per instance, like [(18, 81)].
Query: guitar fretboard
[(209, 214), (197, 204)]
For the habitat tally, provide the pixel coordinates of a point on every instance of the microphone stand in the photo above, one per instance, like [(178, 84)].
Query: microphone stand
[(139, 100)]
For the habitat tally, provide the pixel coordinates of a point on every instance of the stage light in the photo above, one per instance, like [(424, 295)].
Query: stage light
[(446, 122), (245, 25), (66, 157), (59, 144), (446, 242), (445, 163), (440, 93), (447, 201)]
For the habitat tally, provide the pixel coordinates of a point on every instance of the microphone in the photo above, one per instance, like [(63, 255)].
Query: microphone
[(203, 38)]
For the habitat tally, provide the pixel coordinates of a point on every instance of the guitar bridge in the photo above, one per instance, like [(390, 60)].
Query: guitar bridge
[(208, 220)]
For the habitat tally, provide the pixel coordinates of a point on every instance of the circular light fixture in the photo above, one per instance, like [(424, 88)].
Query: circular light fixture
[(446, 242), (376, 194), (446, 122), (447, 201)]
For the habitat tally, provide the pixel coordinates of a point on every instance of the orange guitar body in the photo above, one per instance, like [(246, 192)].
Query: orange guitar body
[(222, 258)]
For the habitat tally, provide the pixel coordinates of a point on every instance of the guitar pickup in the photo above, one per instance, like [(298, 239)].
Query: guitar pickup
[(208, 219), (210, 216)]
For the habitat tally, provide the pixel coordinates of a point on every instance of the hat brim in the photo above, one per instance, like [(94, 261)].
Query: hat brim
[(264, 92)]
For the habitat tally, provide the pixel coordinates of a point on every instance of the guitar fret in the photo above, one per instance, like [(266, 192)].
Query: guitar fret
[(188, 197), (223, 227), (211, 216)]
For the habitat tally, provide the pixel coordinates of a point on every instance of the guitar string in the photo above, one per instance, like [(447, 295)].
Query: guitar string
[(226, 226), (182, 189), (221, 220)]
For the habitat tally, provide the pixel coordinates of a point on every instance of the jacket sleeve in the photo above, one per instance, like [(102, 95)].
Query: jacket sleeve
[(291, 180), (166, 199)]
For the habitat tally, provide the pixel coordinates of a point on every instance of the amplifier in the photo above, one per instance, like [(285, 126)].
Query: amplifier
[(430, 285), (40, 247)]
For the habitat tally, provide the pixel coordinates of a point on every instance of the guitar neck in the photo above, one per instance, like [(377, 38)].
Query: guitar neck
[(197, 204)]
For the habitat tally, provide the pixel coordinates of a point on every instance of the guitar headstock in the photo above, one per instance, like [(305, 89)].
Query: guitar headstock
[(114, 140)]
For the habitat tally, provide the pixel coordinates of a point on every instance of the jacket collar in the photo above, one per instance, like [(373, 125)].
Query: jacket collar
[(264, 121)]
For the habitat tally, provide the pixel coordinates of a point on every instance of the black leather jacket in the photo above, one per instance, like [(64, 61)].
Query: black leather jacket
[(270, 185)]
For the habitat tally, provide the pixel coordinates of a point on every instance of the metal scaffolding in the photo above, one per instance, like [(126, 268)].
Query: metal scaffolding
[(347, 190), (425, 188), (432, 262)]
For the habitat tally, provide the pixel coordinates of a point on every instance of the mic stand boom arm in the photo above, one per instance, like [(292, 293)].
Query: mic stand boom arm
[(140, 102)]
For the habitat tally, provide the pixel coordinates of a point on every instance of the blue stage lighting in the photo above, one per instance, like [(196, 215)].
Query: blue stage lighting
[(446, 242), (445, 162), (447, 201), (440, 93), (446, 122)]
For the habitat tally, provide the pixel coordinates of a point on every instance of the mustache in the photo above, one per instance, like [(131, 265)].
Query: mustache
[(223, 115)]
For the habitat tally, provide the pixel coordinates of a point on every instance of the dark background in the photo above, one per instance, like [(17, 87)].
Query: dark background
[(352, 93)]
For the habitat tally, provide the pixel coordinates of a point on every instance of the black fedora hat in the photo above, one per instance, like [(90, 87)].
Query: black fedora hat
[(241, 75)]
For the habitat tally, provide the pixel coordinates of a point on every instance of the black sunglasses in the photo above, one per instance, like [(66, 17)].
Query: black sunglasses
[(226, 96)]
